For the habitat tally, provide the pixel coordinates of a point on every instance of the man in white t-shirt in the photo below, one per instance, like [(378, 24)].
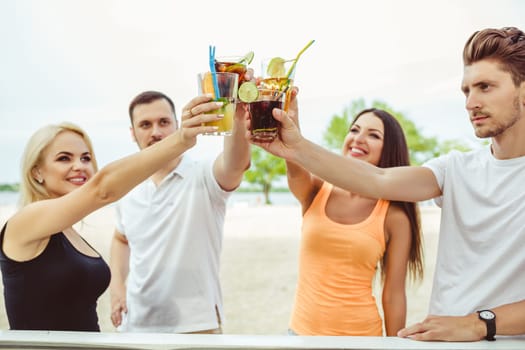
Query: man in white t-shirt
[(166, 248), (478, 288)]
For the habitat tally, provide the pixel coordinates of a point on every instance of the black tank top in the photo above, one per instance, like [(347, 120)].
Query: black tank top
[(57, 290)]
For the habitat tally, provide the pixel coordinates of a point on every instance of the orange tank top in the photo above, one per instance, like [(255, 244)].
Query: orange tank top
[(337, 264)]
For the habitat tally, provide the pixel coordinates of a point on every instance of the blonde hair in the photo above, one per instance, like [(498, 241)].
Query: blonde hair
[(30, 190)]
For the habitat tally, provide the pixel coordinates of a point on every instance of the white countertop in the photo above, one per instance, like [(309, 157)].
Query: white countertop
[(87, 340)]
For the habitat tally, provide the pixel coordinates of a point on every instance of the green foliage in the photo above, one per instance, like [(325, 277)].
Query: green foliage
[(264, 170), (421, 148), (9, 187)]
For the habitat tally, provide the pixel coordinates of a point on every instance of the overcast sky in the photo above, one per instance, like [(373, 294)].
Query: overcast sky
[(83, 61)]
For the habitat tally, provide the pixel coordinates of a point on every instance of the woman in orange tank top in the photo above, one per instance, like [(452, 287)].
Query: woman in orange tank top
[(346, 236)]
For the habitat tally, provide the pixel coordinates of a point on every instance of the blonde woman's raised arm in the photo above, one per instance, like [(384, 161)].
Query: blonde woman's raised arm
[(39, 220)]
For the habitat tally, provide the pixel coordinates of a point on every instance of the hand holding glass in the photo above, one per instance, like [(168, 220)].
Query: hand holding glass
[(227, 84)]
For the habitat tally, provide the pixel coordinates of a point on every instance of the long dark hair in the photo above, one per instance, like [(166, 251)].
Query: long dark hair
[(395, 153)]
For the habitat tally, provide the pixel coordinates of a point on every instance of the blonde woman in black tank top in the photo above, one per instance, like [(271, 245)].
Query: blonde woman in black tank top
[(52, 277)]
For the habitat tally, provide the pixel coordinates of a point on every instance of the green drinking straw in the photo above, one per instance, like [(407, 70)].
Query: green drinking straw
[(297, 58)]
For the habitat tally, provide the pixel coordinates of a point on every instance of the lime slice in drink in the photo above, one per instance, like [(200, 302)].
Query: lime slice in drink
[(247, 59), (276, 68), (248, 92)]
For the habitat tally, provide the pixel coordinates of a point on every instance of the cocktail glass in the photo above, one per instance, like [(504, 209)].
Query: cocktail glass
[(232, 64), (264, 127), (274, 90), (227, 84)]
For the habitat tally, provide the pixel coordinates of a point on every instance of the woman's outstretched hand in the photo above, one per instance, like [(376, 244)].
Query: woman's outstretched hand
[(193, 117)]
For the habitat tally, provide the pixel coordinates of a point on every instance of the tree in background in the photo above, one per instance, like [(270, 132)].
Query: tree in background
[(264, 170), (421, 148)]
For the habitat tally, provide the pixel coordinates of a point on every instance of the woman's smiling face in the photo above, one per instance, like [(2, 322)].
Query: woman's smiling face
[(365, 139), (65, 165)]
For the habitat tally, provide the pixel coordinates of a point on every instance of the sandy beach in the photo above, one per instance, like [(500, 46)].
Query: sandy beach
[(259, 265)]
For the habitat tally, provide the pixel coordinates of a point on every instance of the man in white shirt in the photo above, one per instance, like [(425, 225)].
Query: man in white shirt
[(166, 248), (478, 286)]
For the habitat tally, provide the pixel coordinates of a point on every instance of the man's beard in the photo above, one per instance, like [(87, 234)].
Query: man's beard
[(499, 129)]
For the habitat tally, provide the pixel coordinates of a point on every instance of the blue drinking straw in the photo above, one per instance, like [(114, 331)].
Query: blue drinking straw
[(214, 72)]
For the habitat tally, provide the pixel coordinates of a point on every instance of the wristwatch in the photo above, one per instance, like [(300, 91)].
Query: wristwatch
[(489, 318)]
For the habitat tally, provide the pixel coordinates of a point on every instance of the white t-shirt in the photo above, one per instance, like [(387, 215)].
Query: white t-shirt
[(175, 235), (481, 256)]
